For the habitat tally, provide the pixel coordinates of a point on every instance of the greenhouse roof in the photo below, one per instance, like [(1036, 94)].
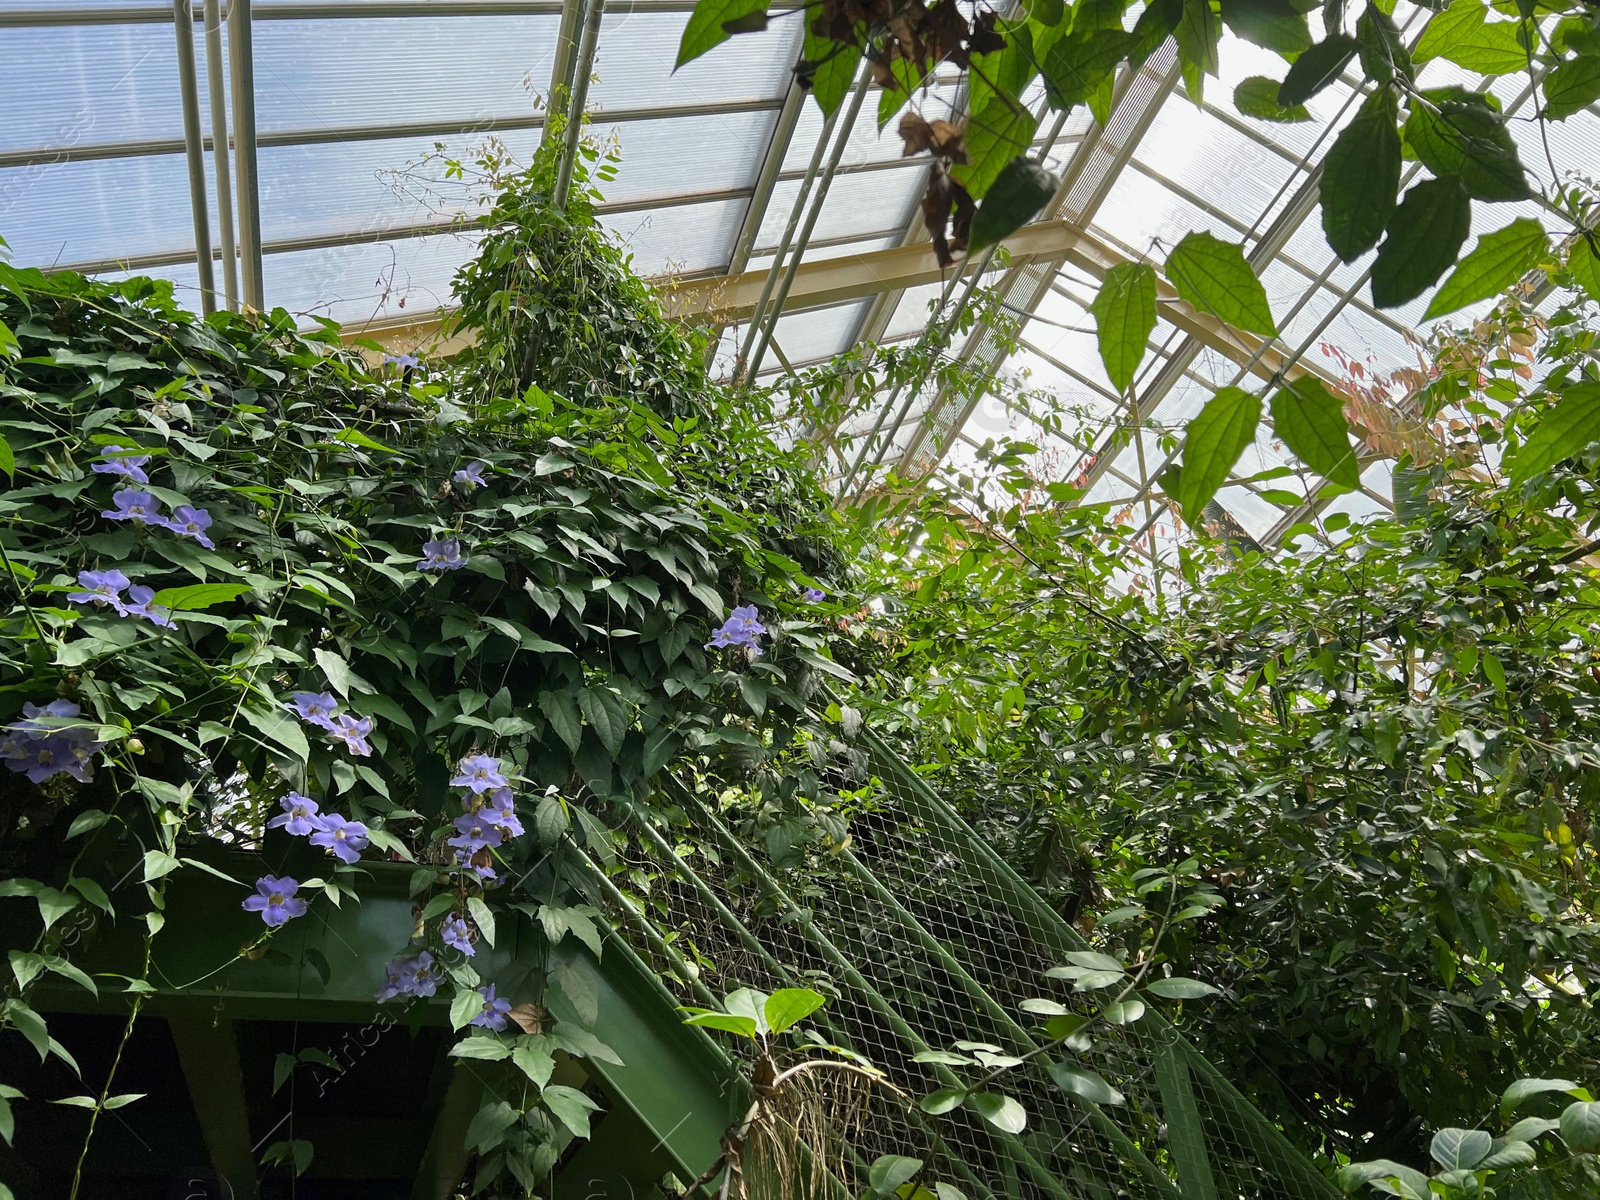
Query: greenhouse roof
[(352, 97)]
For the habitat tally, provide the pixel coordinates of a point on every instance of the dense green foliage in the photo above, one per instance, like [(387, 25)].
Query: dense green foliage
[(1383, 755), (463, 564)]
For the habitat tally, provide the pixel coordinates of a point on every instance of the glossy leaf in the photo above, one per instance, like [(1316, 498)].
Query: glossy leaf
[(1424, 239), (1361, 178), (942, 1101), (1316, 68), (1311, 422), (786, 1006), (1018, 193), (1124, 314), (1496, 262), (1084, 1083), (1179, 988), (1571, 87), (1565, 430), (1214, 278), (1003, 1112), (1257, 97), (889, 1171), (1460, 1149), (727, 1022), (707, 25), (1580, 1127), (1212, 443)]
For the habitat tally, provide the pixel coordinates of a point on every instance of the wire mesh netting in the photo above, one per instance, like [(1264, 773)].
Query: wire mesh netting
[(924, 938)]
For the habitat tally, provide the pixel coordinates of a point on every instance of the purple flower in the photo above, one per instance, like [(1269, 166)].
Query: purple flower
[(441, 554), (740, 629), (43, 750), (501, 812), (314, 708), (474, 833), (275, 900), (352, 731), (343, 838), (140, 596), (457, 933), (401, 360), (119, 462), (471, 476), (481, 862), (133, 505), (188, 521), (495, 1010), (813, 595), (393, 973), (100, 587), (417, 977), (479, 772), (299, 815)]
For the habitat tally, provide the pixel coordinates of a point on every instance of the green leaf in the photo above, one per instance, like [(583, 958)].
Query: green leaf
[(1092, 960), (1461, 135), (1005, 72), (606, 716), (84, 822), (1179, 988), (562, 713), (464, 1006), (1580, 1127), (1085, 1084), (1271, 24), (1413, 1180), (889, 1171), (1460, 1149), (1584, 266), (1463, 35), (1018, 193), (1311, 422), (727, 1022), (1511, 1152), (1496, 262), (747, 1002), (1524, 1089), (1124, 1012), (1383, 51), (1213, 277), (707, 25), (1570, 88), (1563, 431), (1197, 34), (488, 1049), (53, 905), (8, 460), (1003, 1112), (786, 1006), (158, 863), (1361, 178), (1424, 238), (833, 69), (533, 1059), (570, 1106), (1077, 64), (1124, 314), (482, 917), (942, 1101), (1529, 1128), (1316, 68), (1257, 97), (1212, 443), (907, 77), (199, 595), (280, 727), (995, 136)]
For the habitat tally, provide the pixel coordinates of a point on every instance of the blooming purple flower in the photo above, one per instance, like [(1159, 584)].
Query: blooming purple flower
[(352, 731), (343, 838), (188, 521), (501, 812), (314, 708), (133, 505), (117, 462), (457, 933), (393, 973), (441, 554), (299, 815), (471, 476), (275, 900), (480, 772), (100, 587), (740, 629), (495, 1010), (813, 595), (43, 750), (140, 606), (474, 833), (401, 360), (481, 863), (417, 977)]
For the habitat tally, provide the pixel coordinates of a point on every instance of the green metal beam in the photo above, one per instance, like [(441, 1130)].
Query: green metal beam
[(210, 1059)]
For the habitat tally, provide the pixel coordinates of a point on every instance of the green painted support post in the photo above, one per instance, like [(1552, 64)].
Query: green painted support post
[(1185, 1132)]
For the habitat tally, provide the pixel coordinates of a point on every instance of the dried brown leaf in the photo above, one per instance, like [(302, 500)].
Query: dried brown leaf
[(916, 134)]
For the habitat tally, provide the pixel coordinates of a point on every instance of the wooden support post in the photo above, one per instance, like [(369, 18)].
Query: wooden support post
[(210, 1059)]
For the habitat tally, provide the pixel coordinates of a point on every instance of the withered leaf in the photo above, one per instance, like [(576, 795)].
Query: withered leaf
[(937, 198), (947, 33), (961, 223), (947, 141), (916, 133), (529, 1016), (984, 39)]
